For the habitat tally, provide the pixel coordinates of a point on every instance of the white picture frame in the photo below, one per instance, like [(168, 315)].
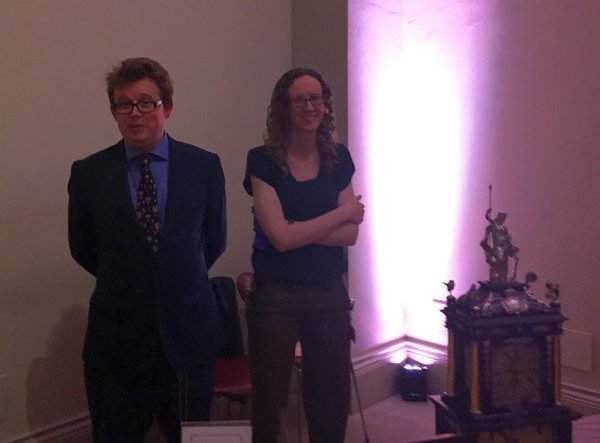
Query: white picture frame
[(226, 431)]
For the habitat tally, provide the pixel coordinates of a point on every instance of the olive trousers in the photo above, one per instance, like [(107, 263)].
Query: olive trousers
[(279, 315)]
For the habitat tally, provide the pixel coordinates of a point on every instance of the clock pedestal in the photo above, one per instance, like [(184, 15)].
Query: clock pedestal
[(503, 368)]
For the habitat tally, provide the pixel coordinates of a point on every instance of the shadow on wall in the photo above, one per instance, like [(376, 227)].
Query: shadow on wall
[(55, 386)]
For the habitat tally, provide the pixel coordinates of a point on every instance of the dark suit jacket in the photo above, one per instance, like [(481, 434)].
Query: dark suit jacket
[(142, 299)]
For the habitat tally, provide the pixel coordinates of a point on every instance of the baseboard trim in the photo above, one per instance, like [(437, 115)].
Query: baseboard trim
[(76, 430), (584, 400), (398, 350)]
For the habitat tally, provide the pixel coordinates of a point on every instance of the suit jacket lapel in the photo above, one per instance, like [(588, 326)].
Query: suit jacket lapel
[(175, 196), (118, 183)]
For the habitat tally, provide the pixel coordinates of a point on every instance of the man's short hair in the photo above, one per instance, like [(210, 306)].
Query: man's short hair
[(134, 69)]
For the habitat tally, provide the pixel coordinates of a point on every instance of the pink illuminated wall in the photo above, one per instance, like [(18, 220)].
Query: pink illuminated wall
[(445, 98), (413, 67)]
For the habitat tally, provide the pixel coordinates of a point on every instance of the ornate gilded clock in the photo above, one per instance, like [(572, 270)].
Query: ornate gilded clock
[(503, 383), (504, 355)]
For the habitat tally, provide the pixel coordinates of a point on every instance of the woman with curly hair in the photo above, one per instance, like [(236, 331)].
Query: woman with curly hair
[(305, 213)]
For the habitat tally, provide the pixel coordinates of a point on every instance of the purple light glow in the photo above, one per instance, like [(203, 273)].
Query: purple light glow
[(412, 67)]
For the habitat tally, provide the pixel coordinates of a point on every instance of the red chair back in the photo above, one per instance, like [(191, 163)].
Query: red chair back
[(244, 284)]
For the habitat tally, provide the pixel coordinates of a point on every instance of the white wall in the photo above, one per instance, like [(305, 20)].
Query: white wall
[(224, 57)]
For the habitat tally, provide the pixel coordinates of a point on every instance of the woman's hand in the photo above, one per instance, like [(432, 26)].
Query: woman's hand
[(355, 210)]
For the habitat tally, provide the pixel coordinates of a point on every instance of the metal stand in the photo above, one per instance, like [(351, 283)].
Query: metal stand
[(360, 409)]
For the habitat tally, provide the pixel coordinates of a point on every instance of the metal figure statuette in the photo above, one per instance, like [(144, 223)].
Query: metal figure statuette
[(502, 294), (498, 247)]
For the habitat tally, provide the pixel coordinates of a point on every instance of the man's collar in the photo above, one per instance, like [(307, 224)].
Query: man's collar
[(160, 150)]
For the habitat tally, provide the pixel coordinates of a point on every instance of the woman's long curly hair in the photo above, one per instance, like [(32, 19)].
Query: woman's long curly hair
[(277, 133)]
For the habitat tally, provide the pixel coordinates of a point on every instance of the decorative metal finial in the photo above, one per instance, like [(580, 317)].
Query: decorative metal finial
[(450, 286)]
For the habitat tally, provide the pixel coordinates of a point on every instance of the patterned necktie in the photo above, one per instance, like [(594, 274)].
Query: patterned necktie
[(147, 203)]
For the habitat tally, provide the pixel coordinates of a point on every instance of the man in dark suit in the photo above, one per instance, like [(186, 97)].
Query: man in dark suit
[(149, 238)]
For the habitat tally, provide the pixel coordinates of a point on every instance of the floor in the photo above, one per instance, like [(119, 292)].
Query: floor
[(391, 420), (394, 420)]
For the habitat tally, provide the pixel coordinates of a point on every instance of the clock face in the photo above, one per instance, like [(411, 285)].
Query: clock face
[(515, 374)]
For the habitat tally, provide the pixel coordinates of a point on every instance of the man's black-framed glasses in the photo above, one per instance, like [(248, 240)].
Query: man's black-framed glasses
[(314, 100), (144, 106)]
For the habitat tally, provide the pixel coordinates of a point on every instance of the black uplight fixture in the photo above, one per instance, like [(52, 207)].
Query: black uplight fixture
[(413, 381)]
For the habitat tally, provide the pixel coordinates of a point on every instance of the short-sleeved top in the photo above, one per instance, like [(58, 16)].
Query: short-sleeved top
[(300, 201)]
